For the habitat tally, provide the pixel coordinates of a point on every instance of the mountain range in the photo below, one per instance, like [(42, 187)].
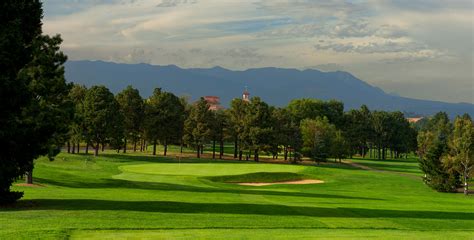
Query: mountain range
[(276, 86)]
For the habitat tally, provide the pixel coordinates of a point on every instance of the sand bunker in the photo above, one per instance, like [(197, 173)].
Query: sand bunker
[(308, 181)]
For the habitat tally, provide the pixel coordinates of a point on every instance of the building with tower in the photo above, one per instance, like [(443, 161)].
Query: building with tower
[(246, 95), (214, 103)]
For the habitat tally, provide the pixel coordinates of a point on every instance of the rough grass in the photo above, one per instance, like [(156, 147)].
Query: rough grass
[(118, 196)]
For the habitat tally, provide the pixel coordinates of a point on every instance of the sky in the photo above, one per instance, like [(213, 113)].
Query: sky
[(411, 48)]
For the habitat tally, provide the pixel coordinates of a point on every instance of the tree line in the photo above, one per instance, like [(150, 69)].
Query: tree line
[(305, 128)]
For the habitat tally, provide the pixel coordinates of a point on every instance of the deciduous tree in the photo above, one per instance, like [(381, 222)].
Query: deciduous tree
[(460, 157)]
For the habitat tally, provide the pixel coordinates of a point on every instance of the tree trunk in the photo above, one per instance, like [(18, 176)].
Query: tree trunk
[(181, 147), (68, 147), (166, 149), (378, 152), (198, 151), (466, 186), (134, 145), (154, 147), (73, 151), (96, 150), (255, 157), (240, 155), (78, 147), (235, 148), (103, 147), (29, 176), (125, 145), (202, 148), (221, 150), (87, 148), (286, 152), (213, 149)]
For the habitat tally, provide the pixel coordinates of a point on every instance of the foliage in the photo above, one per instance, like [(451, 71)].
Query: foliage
[(132, 108), (35, 111), (312, 108), (432, 147), (236, 114), (78, 130), (460, 157), (358, 130), (102, 117), (164, 118), (257, 124), (317, 136), (197, 127)]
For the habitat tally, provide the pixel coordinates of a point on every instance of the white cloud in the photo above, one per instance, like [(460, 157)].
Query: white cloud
[(355, 34)]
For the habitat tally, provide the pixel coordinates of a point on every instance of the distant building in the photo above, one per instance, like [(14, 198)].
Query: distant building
[(246, 95), (214, 102), (414, 119)]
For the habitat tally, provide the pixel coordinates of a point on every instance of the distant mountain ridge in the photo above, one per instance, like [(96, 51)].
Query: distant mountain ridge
[(277, 86)]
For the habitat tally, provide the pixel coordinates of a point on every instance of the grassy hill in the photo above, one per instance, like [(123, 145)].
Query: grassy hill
[(135, 196)]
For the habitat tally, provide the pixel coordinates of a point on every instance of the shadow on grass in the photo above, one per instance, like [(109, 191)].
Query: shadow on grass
[(232, 208), (161, 159), (121, 184), (394, 168), (409, 160)]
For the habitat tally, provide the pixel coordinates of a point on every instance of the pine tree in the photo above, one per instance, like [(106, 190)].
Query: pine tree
[(101, 116), (197, 127), (432, 147), (132, 108)]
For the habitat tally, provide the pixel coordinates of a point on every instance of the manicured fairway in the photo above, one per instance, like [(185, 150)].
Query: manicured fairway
[(142, 197)]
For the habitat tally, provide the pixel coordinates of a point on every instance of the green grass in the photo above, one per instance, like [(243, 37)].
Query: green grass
[(406, 166), (135, 196)]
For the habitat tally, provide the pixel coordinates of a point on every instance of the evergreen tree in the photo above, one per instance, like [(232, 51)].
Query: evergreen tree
[(132, 108), (34, 113), (218, 131), (358, 130), (197, 127), (257, 126), (236, 115), (102, 117), (50, 112), (164, 118), (432, 147), (77, 130)]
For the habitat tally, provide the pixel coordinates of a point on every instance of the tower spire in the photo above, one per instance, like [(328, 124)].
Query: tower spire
[(246, 95)]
